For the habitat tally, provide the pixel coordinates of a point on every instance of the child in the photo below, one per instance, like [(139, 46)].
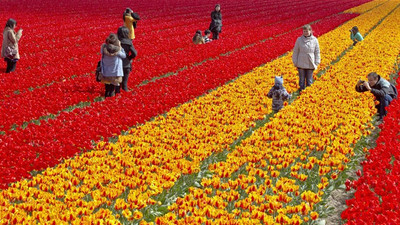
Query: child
[(278, 94), (206, 37)]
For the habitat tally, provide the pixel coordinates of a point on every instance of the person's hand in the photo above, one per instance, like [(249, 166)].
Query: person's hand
[(366, 85)]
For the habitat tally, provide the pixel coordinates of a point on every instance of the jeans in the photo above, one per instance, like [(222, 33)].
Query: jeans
[(305, 75), (11, 65), (383, 102)]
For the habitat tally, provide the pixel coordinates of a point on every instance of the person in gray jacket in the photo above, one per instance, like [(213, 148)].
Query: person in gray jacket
[(306, 56), (382, 89)]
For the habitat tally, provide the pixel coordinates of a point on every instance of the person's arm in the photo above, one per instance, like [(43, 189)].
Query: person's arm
[(135, 16), (286, 95), (380, 92), (121, 54), (317, 53), (359, 37), (12, 37), (270, 93), (133, 53), (295, 55)]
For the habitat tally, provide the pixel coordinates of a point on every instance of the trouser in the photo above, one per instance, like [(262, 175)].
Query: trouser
[(124, 83), (110, 90), (383, 103), (215, 35), (11, 65), (305, 75)]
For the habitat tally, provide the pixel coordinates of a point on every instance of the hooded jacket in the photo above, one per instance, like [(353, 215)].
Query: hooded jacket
[(112, 56), (278, 94), (306, 53), (380, 89), (10, 39)]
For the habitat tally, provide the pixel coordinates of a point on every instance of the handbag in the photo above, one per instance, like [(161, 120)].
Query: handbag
[(10, 52), (103, 79)]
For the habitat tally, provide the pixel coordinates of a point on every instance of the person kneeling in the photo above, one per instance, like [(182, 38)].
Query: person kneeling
[(382, 89)]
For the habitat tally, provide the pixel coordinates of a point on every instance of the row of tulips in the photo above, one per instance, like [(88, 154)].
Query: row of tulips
[(79, 57), (281, 173), (122, 177), (48, 143), (31, 105), (376, 200)]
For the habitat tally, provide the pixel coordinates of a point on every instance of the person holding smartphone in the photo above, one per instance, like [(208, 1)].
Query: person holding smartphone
[(9, 48)]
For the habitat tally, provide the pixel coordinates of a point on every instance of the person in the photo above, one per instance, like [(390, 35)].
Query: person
[(278, 94), (130, 21), (197, 38), (306, 56), (355, 35), (131, 53), (216, 22), (382, 89), (206, 36), (111, 69), (9, 48)]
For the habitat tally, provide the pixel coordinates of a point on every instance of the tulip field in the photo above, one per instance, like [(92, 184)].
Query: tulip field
[(195, 140)]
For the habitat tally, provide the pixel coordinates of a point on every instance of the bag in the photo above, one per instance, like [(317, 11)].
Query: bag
[(98, 71), (10, 52)]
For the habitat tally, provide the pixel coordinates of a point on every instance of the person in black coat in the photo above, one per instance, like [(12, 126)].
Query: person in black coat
[(216, 22), (126, 44), (382, 89)]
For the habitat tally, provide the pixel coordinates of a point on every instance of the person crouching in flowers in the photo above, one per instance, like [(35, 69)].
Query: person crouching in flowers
[(111, 64), (382, 89), (278, 94), (197, 38), (355, 35)]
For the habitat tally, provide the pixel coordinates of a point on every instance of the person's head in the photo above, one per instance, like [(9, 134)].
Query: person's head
[(354, 30), (112, 39), (207, 32), (127, 12), (11, 23), (217, 7), (372, 78), (198, 32), (278, 80), (123, 33), (307, 31)]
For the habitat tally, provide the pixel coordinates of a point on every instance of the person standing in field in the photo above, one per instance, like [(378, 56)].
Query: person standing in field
[(9, 48), (111, 64), (216, 22), (130, 21), (306, 56), (131, 53)]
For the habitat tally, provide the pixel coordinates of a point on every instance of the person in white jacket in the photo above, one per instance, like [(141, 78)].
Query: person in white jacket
[(306, 56)]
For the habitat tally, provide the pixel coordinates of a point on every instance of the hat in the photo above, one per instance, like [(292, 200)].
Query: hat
[(279, 80)]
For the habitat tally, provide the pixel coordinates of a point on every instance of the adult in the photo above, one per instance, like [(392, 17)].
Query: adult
[(216, 22), (130, 21), (355, 35), (131, 53), (9, 48), (382, 89), (306, 56), (197, 38), (111, 64)]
